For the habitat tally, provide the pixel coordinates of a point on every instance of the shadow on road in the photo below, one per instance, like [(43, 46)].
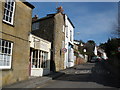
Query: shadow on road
[(91, 73)]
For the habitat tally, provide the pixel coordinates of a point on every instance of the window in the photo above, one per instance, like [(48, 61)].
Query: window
[(9, 9), (66, 31), (39, 59), (35, 26), (5, 54)]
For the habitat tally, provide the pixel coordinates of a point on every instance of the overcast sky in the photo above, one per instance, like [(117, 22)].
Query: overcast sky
[(92, 20)]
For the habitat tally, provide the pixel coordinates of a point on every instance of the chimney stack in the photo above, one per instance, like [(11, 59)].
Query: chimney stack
[(60, 9), (35, 18)]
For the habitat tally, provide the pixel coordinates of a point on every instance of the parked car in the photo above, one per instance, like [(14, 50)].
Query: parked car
[(94, 59), (99, 58)]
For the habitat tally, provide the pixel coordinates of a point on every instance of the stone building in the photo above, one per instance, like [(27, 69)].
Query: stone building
[(51, 28), (55, 28), (15, 26)]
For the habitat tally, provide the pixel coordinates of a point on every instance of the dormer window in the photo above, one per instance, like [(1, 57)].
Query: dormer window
[(9, 9)]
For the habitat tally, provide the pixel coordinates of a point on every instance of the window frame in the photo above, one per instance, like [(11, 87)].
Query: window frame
[(13, 12), (39, 59), (6, 54), (67, 31)]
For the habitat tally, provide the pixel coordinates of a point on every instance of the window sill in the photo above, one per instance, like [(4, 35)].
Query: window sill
[(8, 23), (5, 68)]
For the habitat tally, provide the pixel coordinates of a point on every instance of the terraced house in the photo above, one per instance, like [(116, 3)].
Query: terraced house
[(15, 26), (59, 30)]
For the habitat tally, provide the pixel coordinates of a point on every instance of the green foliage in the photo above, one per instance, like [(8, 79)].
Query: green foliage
[(90, 46), (111, 47)]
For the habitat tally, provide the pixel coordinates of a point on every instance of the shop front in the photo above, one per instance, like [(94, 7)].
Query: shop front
[(39, 56)]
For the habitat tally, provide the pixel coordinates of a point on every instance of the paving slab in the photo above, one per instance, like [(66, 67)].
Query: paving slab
[(35, 81)]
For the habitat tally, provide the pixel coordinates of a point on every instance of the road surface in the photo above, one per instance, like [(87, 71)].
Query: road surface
[(89, 75)]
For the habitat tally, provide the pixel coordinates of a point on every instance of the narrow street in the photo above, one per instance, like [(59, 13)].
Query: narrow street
[(89, 75)]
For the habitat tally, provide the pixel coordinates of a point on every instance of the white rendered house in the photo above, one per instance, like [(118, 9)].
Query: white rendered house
[(69, 42)]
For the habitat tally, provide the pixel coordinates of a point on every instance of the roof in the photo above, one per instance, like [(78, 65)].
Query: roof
[(27, 3), (52, 15), (70, 21), (47, 17)]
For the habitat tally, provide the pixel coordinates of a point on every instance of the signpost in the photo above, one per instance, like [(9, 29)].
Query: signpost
[(64, 50)]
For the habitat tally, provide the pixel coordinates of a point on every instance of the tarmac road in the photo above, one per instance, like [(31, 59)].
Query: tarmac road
[(89, 75)]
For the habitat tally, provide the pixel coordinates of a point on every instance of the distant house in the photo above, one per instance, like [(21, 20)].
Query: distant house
[(95, 50), (101, 53), (40, 51), (15, 25), (54, 28), (76, 42), (80, 52)]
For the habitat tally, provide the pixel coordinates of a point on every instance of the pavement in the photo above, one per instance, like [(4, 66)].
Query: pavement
[(34, 82)]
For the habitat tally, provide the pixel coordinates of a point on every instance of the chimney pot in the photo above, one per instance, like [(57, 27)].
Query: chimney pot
[(35, 18), (60, 9)]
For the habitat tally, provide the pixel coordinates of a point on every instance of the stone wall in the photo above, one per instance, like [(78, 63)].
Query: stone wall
[(18, 34), (51, 30), (59, 36), (46, 29)]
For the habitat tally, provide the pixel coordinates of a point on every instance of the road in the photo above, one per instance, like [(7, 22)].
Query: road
[(89, 75)]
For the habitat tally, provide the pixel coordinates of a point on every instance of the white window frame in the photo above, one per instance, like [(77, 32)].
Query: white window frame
[(5, 11), (3, 54), (39, 59), (67, 31)]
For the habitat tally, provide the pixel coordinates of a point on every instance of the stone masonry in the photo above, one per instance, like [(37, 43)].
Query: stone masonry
[(18, 34), (51, 29)]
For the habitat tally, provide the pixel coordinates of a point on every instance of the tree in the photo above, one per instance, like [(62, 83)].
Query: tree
[(90, 46), (111, 46)]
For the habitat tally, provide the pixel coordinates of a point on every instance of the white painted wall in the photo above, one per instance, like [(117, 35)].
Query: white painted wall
[(95, 50), (69, 55), (75, 42)]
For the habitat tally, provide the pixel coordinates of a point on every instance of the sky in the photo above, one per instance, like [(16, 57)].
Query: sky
[(92, 20)]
